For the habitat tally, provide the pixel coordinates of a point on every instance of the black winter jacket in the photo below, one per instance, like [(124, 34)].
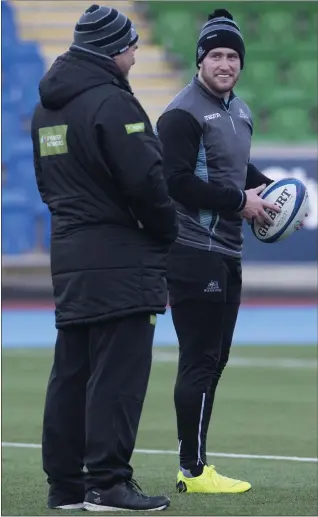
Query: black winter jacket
[(99, 169)]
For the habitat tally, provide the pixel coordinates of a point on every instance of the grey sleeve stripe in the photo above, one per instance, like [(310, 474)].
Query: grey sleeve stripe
[(242, 200)]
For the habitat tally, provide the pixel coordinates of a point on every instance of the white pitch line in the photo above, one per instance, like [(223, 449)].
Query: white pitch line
[(167, 452), (21, 445), (247, 362)]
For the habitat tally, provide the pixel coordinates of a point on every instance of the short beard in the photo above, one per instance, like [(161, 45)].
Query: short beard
[(214, 88)]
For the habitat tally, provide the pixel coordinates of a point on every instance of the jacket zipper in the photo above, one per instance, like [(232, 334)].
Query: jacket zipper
[(226, 109), (232, 123)]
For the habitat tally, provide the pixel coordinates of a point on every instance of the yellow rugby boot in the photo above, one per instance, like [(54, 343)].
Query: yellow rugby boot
[(210, 482)]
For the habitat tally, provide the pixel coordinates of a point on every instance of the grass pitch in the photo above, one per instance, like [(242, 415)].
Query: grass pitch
[(266, 405)]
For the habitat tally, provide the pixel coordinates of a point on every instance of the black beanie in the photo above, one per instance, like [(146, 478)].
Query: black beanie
[(104, 31), (220, 31)]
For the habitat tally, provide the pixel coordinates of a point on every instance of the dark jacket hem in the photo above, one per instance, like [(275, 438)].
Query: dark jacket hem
[(109, 316)]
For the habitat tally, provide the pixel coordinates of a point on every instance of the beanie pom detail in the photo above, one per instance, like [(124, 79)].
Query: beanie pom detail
[(219, 13), (92, 9)]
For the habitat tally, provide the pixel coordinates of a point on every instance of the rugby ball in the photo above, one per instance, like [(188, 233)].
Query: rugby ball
[(291, 196)]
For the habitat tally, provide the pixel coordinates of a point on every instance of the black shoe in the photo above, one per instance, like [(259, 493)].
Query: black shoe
[(65, 497), (123, 496)]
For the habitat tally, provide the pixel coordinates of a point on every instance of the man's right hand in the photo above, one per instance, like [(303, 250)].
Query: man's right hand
[(255, 206)]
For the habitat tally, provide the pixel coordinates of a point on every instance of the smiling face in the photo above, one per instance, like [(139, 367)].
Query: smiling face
[(220, 70)]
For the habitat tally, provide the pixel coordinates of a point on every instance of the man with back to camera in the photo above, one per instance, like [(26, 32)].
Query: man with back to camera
[(206, 135), (99, 169)]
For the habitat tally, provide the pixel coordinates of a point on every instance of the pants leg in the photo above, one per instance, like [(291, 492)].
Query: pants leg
[(120, 358), (205, 292), (230, 316), (199, 328), (63, 438), (233, 301)]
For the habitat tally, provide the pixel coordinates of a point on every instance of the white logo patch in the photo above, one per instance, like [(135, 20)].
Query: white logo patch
[(213, 287), (212, 116), (242, 114), (200, 51)]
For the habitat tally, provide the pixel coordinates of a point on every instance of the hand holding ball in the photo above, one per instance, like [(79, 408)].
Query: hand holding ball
[(290, 196)]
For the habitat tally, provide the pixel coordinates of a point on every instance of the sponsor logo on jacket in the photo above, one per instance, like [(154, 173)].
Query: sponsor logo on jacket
[(212, 116)]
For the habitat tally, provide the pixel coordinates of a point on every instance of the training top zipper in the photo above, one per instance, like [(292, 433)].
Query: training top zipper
[(228, 112)]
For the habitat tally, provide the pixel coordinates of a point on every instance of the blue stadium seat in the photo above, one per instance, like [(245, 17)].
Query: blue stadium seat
[(11, 132), (21, 170), (9, 49), (30, 99), (26, 68), (21, 174), (11, 92), (22, 207), (24, 146), (31, 64), (18, 228), (8, 24), (7, 15), (10, 121)]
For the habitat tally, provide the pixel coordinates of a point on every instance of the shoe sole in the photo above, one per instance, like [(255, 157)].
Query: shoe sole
[(76, 506), (185, 491), (90, 507)]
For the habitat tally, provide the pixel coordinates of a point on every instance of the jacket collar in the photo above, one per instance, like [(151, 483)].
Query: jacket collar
[(108, 65), (209, 94)]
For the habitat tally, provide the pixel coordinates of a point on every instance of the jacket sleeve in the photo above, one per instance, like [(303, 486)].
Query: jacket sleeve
[(180, 135), (255, 177), (134, 156), (37, 160)]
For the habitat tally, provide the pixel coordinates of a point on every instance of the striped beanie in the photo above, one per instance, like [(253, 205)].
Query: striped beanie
[(104, 31), (220, 31)]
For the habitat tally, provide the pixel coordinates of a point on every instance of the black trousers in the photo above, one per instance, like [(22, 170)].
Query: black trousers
[(93, 404), (205, 292)]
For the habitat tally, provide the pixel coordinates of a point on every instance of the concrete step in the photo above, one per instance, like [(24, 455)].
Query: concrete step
[(150, 54), (68, 5), (153, 83), (145, 67), (156, 96), (49, 32), (154, 113), (52, 19), (45, 18), (51, 22), (30, 16), (159, 102), (145, 70), (71, 10)]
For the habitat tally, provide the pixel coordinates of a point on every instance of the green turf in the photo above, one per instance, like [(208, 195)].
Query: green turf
[(259, 410)]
